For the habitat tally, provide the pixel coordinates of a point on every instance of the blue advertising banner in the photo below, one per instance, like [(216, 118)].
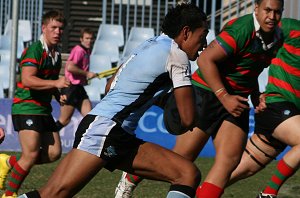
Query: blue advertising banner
[(151, 128)]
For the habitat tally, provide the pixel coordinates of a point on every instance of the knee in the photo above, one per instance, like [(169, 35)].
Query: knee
[(30, 157), (189, 175), (195, 174), (249, 171), (65, 121), (54, 189), (54, 155)]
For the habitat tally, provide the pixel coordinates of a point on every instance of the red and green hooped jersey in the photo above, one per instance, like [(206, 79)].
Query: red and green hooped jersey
[(284, 72), (246, 56), (36, 102)]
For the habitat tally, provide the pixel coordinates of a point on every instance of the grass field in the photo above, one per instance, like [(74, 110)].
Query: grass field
[(103, 185)]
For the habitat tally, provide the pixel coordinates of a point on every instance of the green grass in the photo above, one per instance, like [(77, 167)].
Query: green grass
[(104, 183)]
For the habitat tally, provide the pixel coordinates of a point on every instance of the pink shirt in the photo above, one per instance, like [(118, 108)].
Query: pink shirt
[(81, 57)]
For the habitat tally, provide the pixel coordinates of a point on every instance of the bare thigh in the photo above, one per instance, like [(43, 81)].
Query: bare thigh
[(190, 143), (256, 156), (50, 147), (85, 107), (155, 162), (229, 143), (72, 174), (66, 112), (30, 142)]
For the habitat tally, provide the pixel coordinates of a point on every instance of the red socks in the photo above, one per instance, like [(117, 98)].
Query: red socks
[(282, 173), (133, 178), (208, 190), (15, 179)]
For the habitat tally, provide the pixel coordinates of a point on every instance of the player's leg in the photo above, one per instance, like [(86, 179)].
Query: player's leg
[(50, 148), (289, 133), (30, 145), (66, 112), (86, 107), (258, 153), (155, 162), (71, 175), (229, 144), (83, 162), (190, 143), (187, 145)]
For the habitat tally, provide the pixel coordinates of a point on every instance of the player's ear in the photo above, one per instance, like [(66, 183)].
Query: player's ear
[(186, 31)]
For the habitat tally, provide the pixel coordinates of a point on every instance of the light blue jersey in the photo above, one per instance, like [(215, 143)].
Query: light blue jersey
[(150, 71)]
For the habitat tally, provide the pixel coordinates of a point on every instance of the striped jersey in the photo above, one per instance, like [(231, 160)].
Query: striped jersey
[(150, 71), (36, 102), (284, 72), (247, 56)]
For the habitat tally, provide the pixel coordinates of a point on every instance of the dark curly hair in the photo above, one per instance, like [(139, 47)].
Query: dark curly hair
[(259, 2), (184, 14)]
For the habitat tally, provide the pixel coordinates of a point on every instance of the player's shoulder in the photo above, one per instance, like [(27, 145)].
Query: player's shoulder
[(289, 24), (37, 45), (35, 50), (238, 24)]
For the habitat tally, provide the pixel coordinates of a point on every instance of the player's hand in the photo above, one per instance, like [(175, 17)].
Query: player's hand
[(262, 103), (62, 82), (2, 135), (63, 99), (91, 75), (234, 104)]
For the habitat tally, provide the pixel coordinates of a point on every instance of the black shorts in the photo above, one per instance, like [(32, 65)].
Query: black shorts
[(212, 114), (172, 119), (272, 116), (104, 138), (39, 123), (75, 95)]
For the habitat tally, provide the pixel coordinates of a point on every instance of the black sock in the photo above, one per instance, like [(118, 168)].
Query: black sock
[(59, 125), (189, 191), (32, 194)]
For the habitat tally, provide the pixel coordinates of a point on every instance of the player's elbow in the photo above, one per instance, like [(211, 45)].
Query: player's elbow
[(187, 122), (26, 82)]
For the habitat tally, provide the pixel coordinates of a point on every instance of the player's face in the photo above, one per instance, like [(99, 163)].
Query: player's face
[(86, 40), (195, 42), (268, 14), (52, 32)]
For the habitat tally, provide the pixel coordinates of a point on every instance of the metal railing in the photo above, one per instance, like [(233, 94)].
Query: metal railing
[(143, 13), (31, 10)]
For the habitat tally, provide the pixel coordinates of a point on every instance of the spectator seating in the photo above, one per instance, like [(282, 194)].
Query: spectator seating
[(1, 91), (96, 87), (4, 70), (136, 36), (108, 48), (112, 33), (5, 45), (99, 63), (140, 34), (24, 29)]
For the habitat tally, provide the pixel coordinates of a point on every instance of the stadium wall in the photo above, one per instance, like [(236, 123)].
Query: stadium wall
[(150, 128)]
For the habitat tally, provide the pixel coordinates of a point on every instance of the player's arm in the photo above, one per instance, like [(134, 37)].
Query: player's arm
[(74, 69), (207, 63), (186, 105), (108, 84), (30, 80), (255, 95)]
